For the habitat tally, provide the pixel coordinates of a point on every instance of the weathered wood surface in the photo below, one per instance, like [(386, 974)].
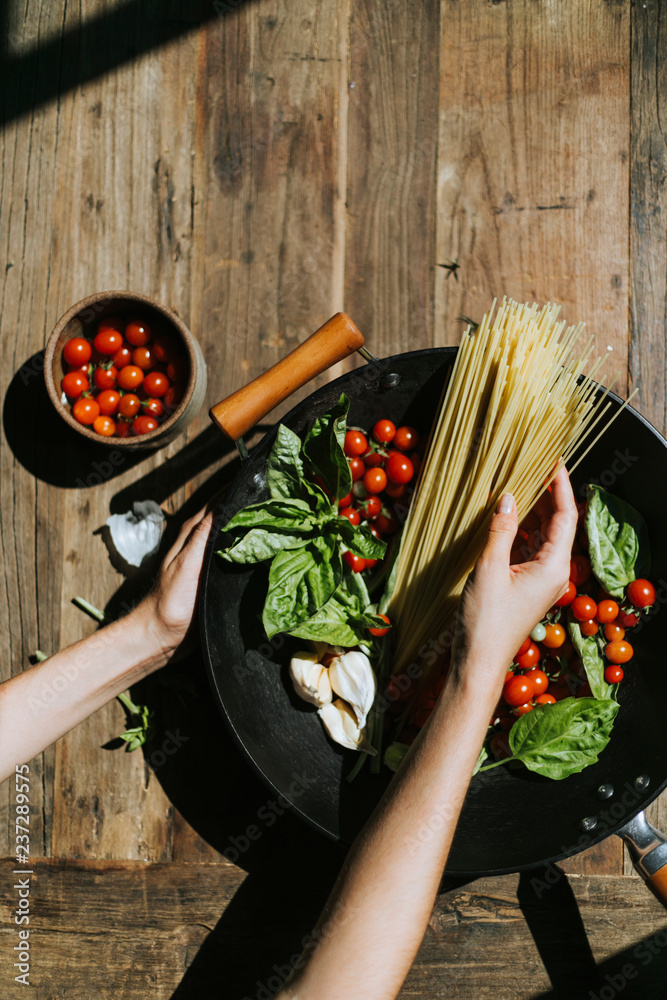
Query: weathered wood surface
[(128, 929)]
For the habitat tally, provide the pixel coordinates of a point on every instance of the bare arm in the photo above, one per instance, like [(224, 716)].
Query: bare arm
[(374, 921), (40, 705)]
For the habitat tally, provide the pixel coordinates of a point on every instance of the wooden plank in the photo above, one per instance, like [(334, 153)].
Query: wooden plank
[(533, 163), (392, 151)]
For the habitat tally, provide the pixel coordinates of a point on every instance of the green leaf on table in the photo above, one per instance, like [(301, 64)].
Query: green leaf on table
[(589, 651), (562, 739), (301, 581), (323, 448), (618, 540), (260, 544), (284, 468)]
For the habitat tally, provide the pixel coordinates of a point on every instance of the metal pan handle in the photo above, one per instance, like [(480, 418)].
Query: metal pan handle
[(337, 339), (648, 850)]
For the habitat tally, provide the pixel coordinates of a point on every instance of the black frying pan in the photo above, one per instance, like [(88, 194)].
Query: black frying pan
[(511, 820)]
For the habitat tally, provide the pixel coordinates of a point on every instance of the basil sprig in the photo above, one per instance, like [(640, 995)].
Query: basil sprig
[(617, 539), (589, 650), (299, 529)]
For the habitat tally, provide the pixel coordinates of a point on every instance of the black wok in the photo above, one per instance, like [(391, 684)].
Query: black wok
[(511, 819)]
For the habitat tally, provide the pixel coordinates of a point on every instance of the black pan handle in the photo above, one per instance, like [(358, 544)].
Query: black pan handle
[(648, 850)]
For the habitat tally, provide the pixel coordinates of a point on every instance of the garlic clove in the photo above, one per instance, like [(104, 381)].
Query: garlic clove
[(310, 679), (353, 679), (340, 723)]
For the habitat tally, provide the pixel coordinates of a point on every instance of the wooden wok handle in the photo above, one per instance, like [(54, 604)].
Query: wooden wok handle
[(337, 339), (648, 850)]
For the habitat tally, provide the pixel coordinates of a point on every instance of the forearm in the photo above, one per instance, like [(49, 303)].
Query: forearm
[(397, 863), (40, 705)]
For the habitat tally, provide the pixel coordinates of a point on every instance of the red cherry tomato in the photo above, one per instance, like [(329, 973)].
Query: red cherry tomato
[(613, 674), (105, 377), (74, 383), (142, 357), (370, 507), (545, 699), (384, 431), (346, 501), (522, 648), (108, 401), (156, 384), (375, 480), (405, 438), (165, 348), (143, 424), (379, 632), (584, 608), (77, 351), (399, 469), (627, 619), (351, 514), (123, 428), (641, 593), (374, 457), (568, 596), (129, 405), (607, 612), (539, 679), (355, 562), (555, 636), (85, 410), (580, 570), (104, 425), (355, 443), (613, 631), (589, 627), (375, 533), (172, 397), (137, 333), (616, 651), (370, 563), (530, 658), (177, 370), (130, 377), (523, 709), (357, 468), (108, 340), (395, 490), (154, 407), (122, 357), (518, 690), (386, 522)]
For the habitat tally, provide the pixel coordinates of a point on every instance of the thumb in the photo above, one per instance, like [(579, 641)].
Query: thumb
[(503, 529)]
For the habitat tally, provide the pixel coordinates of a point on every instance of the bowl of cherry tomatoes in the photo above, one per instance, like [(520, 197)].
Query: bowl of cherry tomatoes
[(123, 370)]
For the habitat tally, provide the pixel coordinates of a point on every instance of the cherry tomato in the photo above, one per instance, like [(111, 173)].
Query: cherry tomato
[(627, 619), (357, 468), (351, 514), (85, 410), (405, 438), (77, 351), (355, 562), (518, 690), (130, 377), (386, 522), (523, 709), (580, 570), (346, 501), (370, 563), (173, 397), (616, 651), (613, 674), (370, 507), (555, 636), (399, 686), (589, 627), (108, 401), (129, 405), (539, 679), (523, 648), (164, 348), (641, 593), (104, 425), (105, 378), (530, 658), (74, 383), (613, 631), (108, 340), (359, 490), (123, 428), (384, 431), (375, 480), (142, 357), (545, 699), (122, 357), (379, 632), (375, 533), (143, 424), (399, 469), (607, 611), (156, 384), (584, 608), (568, 596), (395, 490), (137, 333), (374, 457), (154, 407), (355, 443)]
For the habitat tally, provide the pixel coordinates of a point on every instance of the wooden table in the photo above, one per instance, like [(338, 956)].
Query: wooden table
[(257, 167)]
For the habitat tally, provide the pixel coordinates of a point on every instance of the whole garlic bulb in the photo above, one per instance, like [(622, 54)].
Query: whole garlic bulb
[(340, 722), (353, 679), (310, 679)]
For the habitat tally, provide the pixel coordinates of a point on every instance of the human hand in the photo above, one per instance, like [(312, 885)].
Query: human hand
[(502, 603)]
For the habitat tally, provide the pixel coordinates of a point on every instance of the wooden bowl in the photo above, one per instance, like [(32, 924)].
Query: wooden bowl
[(81, 321)]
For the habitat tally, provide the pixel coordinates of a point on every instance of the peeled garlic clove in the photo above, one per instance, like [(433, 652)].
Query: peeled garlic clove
[(353, 679), (310, 678), (341, 724)]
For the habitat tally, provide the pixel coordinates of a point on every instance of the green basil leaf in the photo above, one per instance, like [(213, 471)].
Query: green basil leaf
[(301, 581), (359, 539), (589, 651), (260, 544), (339, 622), (618, 540), (323, 448), (294, 515), (391, 567), (562, 739), (483, 755), (354, 585), (284, 468)]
